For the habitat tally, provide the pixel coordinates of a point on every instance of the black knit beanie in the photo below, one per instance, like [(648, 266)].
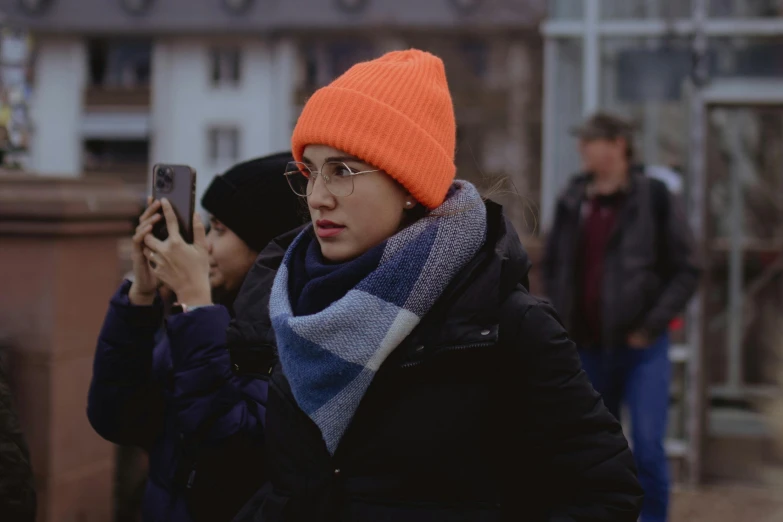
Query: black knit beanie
[(254, 201)]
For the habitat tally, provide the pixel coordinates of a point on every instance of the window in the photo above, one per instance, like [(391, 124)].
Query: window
[(475, 55), (646, 9), (126, 159), (746, 8), (108, 153), (223, 145), (325, 61), (566, 9), (345, 54), (120, 63), (226, 66)]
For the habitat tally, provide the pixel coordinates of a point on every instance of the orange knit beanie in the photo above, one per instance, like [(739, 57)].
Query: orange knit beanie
[(394, 113)]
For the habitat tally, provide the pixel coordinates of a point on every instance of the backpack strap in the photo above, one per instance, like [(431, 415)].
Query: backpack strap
[(659, 195), (661, 206)]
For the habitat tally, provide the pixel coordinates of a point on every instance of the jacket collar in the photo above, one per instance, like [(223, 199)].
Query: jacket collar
[(579, 188), (252, 304), (467, 312)]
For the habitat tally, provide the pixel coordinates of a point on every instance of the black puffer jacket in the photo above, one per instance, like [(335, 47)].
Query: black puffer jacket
[(482, 414)]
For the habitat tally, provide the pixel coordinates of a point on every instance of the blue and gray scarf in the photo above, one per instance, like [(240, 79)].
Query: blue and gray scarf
[(331, 355)]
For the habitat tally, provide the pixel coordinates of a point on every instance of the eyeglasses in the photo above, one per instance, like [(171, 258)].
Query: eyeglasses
[(337, 176)]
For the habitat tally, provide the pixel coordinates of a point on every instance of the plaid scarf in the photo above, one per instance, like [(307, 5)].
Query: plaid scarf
[(331, 357)]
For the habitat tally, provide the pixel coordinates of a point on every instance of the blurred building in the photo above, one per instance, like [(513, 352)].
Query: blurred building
[(15, 48), (703, 82), (122, 84), (118, 85)]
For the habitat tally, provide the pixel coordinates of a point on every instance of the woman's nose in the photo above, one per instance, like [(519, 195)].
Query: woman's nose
[(320, 197)]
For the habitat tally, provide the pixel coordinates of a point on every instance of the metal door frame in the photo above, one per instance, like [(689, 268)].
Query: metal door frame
[(739, 93), (729, 92)]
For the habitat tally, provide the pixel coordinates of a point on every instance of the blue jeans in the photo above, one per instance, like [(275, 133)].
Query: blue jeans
[(640, 378)]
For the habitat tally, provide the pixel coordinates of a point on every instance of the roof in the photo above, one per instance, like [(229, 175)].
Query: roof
[(211, 16)]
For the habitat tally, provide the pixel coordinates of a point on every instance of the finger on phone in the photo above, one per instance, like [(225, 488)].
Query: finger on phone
[(171, 218), (145, 227), (151, 220), (152, 242), (151, 209)]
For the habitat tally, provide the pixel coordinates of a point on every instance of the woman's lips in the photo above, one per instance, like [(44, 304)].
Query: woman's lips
[(326, 229)]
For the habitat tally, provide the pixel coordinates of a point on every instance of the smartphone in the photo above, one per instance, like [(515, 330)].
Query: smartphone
[(176, 183)]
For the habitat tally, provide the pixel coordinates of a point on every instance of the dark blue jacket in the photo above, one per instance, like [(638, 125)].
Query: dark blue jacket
[(154, 383)]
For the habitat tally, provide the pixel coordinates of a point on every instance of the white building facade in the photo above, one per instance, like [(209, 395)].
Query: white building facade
[(209, 114), (120, 85), (213, 102)]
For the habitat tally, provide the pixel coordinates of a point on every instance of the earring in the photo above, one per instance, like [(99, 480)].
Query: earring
[(409, 204)]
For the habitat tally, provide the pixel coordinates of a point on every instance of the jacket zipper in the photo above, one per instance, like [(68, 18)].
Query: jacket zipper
[(454, 348), (334, 463)]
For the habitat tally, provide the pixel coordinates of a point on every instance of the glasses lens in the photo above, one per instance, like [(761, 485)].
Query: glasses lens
[(339, 178), (298, 176)]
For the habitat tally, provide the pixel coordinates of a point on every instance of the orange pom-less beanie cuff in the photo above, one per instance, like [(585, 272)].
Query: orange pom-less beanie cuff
[(394, 113)]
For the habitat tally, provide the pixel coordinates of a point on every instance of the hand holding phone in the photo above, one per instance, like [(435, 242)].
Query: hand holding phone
[(181, 266), (145, 285), (176, 249), (176, 183)]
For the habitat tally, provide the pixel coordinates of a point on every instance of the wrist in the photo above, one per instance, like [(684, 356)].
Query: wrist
[(138, 298), (185, 308), (195, 296)]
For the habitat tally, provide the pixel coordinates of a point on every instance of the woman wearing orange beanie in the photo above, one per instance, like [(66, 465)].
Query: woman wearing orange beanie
[(417, 378)]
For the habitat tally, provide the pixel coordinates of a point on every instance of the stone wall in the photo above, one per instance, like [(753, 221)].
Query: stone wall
[(58, 268)]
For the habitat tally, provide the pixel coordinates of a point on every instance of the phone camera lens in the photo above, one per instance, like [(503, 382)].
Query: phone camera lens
[(164, 177)]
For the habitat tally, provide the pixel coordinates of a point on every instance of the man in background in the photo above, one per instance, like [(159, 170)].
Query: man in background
[(620, 264)]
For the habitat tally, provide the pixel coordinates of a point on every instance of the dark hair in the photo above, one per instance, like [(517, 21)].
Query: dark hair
[(411, 216), (607, 126)]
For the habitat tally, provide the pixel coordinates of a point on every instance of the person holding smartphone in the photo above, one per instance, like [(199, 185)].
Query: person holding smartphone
[(166, 383)]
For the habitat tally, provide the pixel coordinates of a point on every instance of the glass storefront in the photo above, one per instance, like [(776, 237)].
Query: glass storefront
[(644, 9), (643, 50), (635, 58), (745, 8), (566, 9)]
